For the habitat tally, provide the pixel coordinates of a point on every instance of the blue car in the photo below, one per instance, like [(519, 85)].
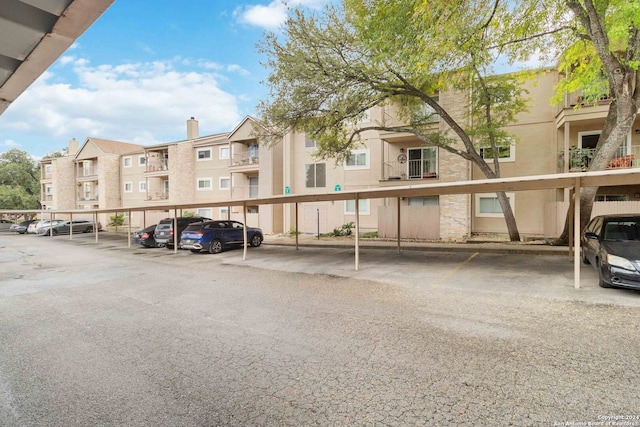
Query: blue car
[(214, 236)]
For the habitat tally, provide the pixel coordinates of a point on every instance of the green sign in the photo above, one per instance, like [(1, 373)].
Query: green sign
[(287, 190), (337, 188)]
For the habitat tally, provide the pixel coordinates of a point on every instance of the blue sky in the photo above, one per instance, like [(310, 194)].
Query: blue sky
[(144, 68)]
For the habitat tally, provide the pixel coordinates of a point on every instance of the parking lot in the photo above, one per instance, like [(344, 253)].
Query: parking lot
[(102, 334)]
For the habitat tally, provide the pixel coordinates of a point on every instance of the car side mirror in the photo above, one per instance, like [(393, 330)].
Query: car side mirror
[(590, 235)]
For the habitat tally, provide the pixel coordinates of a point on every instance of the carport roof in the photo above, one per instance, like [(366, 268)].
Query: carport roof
[(34, 33)]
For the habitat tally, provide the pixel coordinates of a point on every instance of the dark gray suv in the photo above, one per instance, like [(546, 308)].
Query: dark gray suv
[(165, 234)]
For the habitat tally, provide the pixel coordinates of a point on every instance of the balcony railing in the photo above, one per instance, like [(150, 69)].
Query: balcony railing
[(580, 159), (158, 195), (412, 169), (157, 166), (249, 192), (85, 172), (244, 158)]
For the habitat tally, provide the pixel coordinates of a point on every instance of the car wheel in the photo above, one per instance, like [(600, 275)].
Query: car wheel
[(54, 232), (195, 251), (89, 230), (601, 281), (256, 240), (215, 247)]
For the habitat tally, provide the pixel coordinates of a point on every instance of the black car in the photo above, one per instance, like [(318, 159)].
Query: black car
[(165, 233), (145, 237), (214, 236), (611, 243)]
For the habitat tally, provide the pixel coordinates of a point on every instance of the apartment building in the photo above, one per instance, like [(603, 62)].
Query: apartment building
[(235, 165)]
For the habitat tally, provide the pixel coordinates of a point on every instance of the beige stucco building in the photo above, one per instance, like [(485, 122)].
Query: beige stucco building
[(235, 165)]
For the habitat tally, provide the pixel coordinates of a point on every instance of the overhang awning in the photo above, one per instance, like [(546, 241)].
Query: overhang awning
[(34, 33)]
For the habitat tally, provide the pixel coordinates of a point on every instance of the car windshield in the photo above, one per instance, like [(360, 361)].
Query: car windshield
[(623, 229)]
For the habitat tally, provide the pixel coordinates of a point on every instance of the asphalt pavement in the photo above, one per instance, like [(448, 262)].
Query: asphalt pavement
[(101, 334)]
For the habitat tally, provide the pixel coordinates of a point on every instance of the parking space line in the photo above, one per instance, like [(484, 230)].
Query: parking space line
[(456, 268)]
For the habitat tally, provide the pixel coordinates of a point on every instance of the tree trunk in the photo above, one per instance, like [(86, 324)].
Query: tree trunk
[(509, 217)]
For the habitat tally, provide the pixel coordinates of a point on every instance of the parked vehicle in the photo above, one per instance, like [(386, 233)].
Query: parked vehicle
[(21, 227), (145, 237), (611, 243), (214, 236), (165, 233), (31, 229), (61, 226), (5, 224)]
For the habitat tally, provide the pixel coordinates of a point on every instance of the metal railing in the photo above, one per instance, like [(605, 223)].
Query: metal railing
[(158, 195), (411, 169), (580, 159)]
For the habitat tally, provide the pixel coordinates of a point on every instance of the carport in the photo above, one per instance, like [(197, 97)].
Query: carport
[(572, 181)]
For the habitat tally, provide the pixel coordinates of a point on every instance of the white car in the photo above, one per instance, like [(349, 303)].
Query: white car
[(33, 227)]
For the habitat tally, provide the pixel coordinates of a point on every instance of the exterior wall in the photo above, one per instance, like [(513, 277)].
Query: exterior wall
[(133, 174), (62, 183), (535, 154)]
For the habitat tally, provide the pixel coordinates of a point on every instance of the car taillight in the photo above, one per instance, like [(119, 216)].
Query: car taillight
[(198, 233), (171, 232), (144, 236)]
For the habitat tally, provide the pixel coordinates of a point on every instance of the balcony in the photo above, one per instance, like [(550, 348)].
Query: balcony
[(245, 161), (580, 158), (411, 169), (157, 196), (87, 172), (157, 163), (248, 192)]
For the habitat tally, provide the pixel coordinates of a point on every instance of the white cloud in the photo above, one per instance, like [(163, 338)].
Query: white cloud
[(142, 103), (273, 15), (9, 144)]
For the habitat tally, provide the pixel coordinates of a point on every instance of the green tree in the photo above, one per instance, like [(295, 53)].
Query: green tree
[(19, 181), (332, 67), (604, 59)]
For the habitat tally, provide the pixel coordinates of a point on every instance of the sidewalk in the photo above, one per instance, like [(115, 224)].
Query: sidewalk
[(499, 247)]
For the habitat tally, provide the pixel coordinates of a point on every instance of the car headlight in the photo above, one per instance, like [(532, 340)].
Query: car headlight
[(617, 261)]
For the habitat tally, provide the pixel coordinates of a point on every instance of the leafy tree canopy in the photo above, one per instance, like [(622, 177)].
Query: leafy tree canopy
[(19, 170)]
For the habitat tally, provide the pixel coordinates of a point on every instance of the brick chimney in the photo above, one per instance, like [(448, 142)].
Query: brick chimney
[(192, 128), (73, 147)]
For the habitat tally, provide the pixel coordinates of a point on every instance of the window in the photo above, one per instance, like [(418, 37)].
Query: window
[(49, 190), (316, 175), (142, 160), (424, 201), (309, 143), (487, 205), (47, 169), (423, 163), (363, 207), (142, 186), (225, 183), (358, 159), (224, 213), (204, 154), (128, 187), (204, 184), (611, 198), (223, 153), (506, 152), (127, 161)]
